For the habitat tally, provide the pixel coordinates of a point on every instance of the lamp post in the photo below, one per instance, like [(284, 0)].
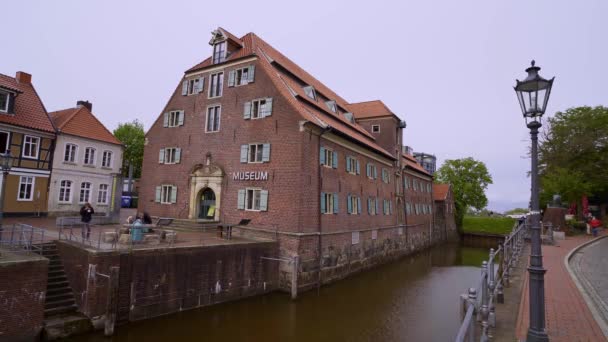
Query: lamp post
[(5, 167), (533, 95)]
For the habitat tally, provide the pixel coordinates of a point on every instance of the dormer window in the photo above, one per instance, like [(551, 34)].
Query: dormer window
[(219, 52), (331, 105), (4, 99), (349, 117), (310, 92)]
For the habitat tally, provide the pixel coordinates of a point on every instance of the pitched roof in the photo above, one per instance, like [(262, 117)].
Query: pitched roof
[(370, 109), (81, 122), (412, 163), (440, 191), (29, 110), (282, 72)]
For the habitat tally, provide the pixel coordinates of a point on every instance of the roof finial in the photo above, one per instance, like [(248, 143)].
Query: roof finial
[(533, 62)]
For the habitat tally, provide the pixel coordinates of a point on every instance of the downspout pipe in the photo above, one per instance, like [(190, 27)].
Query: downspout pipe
[(326, 129)]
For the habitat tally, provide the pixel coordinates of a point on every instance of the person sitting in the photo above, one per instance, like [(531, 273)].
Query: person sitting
[(130, 220), (147, 218)]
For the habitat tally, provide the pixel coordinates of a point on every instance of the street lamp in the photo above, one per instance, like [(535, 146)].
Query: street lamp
[(533, 95), (5, 167)]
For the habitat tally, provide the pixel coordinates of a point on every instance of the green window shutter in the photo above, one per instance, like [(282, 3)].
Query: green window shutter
[(231, 78), (159, 190), (173, 194), (241, 200), (349, 205), (244, 152), (264, 200), (335, 160), (359, 205), (247, 111), (178, 154), (336, 202), (250, 74), (358, 166), (161, 156), (266, 153), (180, 119), (185, 87), (268, 107), (322, 203), (322, 156), (166, 120)]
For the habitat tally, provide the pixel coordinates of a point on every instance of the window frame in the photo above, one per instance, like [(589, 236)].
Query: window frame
[(253, 192), (74, 153), (375, 128), (259, 151), (100, 191), (218, 113), (103, 159), (329, 158), (313, 93), (257, 103), (173, 153), (243, 71), (69, 191), (86, 190), (32, 188), (219, 85), (8, 141), (166, 194), (220, 50), (354, 205), (173, 116), (192, 84), (329, 203), (8, 99), (93, 159), (38, 140)]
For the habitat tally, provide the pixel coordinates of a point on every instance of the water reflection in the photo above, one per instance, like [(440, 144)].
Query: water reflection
[(413, 299)]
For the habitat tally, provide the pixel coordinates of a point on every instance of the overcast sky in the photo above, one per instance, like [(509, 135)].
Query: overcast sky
[(446, 67)]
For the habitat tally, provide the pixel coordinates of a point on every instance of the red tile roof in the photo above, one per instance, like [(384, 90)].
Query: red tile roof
[(81, 122), (413, 164), (370, 109), (440, 191), (29, 110)]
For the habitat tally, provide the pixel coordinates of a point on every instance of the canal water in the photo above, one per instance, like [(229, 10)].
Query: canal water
[(413, 299)]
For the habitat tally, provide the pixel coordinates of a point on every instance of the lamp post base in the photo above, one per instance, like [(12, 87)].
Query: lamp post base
[(537, 336)]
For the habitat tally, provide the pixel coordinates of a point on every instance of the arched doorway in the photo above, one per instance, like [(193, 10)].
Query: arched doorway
[(206, 204)]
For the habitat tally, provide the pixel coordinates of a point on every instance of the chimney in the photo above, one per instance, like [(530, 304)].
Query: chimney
[(87, 104), (23, 77)]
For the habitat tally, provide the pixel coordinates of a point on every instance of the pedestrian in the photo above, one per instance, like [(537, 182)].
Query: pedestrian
[(595, 226), (86, 214), (147, 218)]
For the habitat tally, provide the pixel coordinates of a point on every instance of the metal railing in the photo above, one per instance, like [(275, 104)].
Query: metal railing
[(21, 237), (74, 232), (478, 304)]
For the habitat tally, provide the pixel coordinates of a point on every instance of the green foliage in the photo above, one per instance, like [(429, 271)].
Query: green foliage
[(469, 179), (131, 134), (516, 211), (574, 150), (493, 225)]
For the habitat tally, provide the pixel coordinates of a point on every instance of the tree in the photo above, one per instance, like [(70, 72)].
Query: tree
[(517, 211), (469, 179), (131, 134), (570, 185)]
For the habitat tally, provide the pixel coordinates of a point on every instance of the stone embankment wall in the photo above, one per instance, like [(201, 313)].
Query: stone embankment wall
[(23, 279), (156, 282)]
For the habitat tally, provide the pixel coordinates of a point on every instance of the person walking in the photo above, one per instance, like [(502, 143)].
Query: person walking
[(86, 214), (595, 226)]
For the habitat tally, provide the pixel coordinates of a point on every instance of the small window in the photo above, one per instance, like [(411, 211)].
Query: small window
[(329, 203), (70, 153), (242, 76), (4, 98), (172, 155), (194, 86), (353, 205), (30, 147), (253, 199), (5, 143), (258, 109), (355, 238), (386, 176), (102, 195), (216, 85), (175, 118), (256, 153), (349, 117), (89, 156), (352, 166), (213, 119), (26, 188), (372, 206), (328, 161), (371, 171), (65, 191), (375, 128), (310, 92), (168, 193), (106, 160), (219, 52), (331, 105), (85, 192)]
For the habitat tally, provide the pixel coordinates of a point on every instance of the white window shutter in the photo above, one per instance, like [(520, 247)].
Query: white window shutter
[(244, 152), (268, 107), (264, 200), (161, 156), (166, 120), (247, 111), (250, 74), (185, 87), (231, 78), (266, 153), (173, 194), (178, 154), (159, 190), (180, 119), (241, 199)]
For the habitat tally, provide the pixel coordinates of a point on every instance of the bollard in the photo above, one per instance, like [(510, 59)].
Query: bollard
[(491, 265), (500, 296), (484, 311), (472, 301)]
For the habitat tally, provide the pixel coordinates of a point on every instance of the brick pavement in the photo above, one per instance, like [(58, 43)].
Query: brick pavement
[(567, 316)]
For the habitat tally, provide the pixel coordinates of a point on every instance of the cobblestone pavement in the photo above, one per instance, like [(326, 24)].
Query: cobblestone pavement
[(568, 317)]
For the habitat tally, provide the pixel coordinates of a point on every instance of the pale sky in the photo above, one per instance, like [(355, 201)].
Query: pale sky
[(446, 67)]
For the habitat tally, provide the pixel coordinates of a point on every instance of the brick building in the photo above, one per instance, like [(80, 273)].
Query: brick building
[(248, 134)]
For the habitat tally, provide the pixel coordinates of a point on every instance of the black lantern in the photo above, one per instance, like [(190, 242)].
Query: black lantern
[(5, 161), (533, 93)]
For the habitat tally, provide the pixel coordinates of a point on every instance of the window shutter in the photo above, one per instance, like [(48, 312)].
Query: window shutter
[(173, 194), (367, 170), (347, 164), (159, 190), (322, 156), (241, 199), (359, 205), (335, 160), (376, 206), (375, 172), (322, 203), (161, 156), (390, 207), (244, 152), (264, 200), (268, 107), (336, 202), (180, 119), (266, 153), (358, 166), (349, 205), (178, 154), (11, 103), (250, 74), (185, 87), (231, 78), (247, 111), (166, 120), (369, 205), (201, 84)]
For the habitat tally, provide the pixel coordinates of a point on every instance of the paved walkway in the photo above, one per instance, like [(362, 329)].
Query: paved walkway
[(568, 317)]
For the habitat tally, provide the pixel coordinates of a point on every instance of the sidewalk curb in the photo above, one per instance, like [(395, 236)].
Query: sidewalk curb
[(603, 325)]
